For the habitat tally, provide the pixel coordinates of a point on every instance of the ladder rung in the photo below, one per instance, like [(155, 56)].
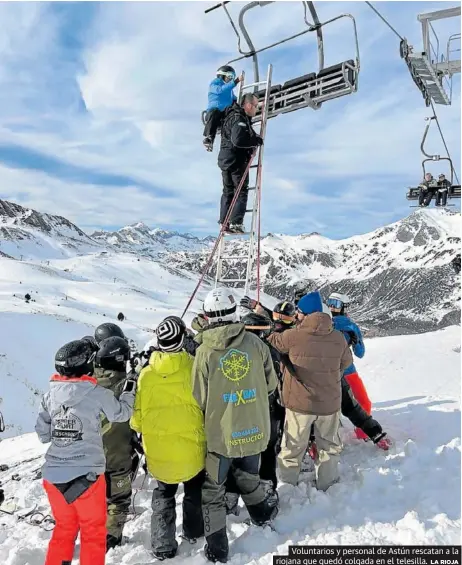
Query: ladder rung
[(231, 280), (254, 166), (240, 233), (233, 257), (259, 83), (249, 210)]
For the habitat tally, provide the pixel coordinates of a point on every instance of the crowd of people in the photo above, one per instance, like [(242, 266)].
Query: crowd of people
[(430, 187), (229, 409)]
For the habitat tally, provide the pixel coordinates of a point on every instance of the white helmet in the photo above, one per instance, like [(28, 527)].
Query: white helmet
[(220, 306), (326, 309), (338, 301)]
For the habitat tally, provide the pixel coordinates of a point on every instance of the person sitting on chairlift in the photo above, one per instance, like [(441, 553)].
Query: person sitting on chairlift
[(220, 97), (428, 187), (444, 186)]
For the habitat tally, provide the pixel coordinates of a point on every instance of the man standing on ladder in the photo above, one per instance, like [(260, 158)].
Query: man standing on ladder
[(238, 141)]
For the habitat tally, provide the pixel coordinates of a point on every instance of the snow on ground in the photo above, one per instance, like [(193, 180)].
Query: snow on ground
[(410, 495), (70, 298)]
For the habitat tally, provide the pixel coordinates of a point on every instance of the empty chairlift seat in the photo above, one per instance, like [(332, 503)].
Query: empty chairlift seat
[(311, 89), (336, 80), (260, 94)]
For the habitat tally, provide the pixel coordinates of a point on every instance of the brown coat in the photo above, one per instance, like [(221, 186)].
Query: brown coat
[(319, 355)]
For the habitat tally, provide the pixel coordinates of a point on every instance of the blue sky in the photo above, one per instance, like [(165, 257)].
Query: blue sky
[(100, 115)]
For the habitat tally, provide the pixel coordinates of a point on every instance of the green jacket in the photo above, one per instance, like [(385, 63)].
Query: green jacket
[(233, 375), (116, 436)]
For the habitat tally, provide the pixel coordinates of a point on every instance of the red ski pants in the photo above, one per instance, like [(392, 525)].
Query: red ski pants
[(87, 514), (360, 393)]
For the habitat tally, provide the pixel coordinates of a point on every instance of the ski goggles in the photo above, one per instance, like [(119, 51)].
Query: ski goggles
[(230, 75), (335, 303)]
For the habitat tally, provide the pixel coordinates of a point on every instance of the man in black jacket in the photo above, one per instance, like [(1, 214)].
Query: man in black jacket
[(442, 192), (238, 142)]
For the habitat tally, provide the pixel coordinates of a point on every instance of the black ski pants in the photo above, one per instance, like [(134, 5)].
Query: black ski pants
[(213, 120), (164, 513), (425, 196), (231, 180)]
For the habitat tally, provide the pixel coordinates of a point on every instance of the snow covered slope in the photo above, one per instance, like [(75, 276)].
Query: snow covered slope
[(410, 495), (144, 240), (401, 275), (26, 233), (69, 298)]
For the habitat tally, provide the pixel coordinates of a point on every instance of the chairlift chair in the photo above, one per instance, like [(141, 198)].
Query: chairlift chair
[(413, 192), (309, 90)]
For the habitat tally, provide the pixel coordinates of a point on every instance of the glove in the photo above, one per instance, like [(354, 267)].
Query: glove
[(259, 140), (199, 323), (353, 338), (135, 363), (248, 303), (130, 383), (382, 441)]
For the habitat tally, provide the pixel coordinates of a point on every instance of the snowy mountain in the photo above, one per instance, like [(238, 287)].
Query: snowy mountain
[(402, 273), (153, 242), (409, 495), (400, 276), (26, 233)]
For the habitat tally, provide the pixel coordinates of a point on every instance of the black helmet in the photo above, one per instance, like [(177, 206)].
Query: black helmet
[(252, 319), (226, 71), (284, 313), (113, 353), (108, 330), (91, 341), (75, 359)]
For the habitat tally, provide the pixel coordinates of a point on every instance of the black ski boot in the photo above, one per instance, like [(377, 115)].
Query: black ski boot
[(217, 547), (162, 555), (112, 542), (265, 511)]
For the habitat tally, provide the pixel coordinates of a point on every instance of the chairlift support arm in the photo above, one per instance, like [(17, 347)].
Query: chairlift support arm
[(316, 26)]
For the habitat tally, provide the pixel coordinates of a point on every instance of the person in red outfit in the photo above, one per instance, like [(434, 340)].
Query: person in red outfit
[(73, 472)]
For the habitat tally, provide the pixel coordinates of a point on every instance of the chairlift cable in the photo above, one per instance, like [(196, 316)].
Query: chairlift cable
[(444, 141), (385, 21)]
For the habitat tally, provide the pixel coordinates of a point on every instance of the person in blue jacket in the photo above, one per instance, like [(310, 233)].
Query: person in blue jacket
[(338, 303), (220, 97)]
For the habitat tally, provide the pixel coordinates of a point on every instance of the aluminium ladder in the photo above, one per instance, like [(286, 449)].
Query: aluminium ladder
[(248, 253)]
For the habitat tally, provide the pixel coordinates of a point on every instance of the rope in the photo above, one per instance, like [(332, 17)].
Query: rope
[(385, 21), (220, 235), (258, 232), (444, 141)]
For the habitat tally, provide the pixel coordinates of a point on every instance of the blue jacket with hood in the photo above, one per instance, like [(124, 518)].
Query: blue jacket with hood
[(221, 94), (70, 418), (344, 324)]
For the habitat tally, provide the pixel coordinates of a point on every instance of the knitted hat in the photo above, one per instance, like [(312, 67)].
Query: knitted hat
[(310, 303), (170, 335)]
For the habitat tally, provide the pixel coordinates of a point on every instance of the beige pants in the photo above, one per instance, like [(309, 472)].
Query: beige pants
[(295, 442)]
